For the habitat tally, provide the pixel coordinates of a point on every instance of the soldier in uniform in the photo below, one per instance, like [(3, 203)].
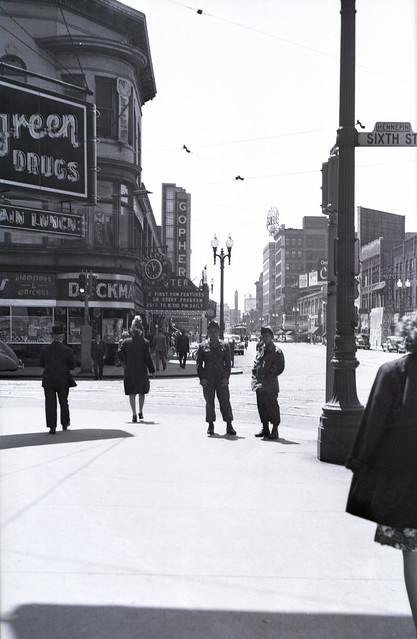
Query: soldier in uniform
[(269, 363), (213, 369)]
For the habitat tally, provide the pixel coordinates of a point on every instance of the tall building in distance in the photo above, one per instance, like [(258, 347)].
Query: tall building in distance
[(176, 227), (297, 251)]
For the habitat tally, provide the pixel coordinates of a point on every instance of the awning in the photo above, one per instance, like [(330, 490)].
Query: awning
[(313, 330)]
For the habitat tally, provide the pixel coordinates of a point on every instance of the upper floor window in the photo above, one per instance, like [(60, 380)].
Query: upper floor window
[(107, 105)]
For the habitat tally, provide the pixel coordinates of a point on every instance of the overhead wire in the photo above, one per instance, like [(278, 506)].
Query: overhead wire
[(38, 54)]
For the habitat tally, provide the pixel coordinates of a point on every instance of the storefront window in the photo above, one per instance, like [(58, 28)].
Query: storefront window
[(5, 327), (76, 320), (31, 324), (112, 329)]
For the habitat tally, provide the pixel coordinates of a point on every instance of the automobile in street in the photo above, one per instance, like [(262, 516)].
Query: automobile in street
[(8, 358), (362, 341), (239, 344), (394, 344)]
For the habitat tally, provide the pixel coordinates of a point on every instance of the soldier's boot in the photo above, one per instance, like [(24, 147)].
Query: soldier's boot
[(264, 432)]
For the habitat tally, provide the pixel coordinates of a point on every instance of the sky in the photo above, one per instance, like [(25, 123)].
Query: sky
[(251, 88)]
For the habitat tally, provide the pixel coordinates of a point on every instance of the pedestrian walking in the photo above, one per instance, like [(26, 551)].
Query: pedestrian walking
[(98, 355), (135, 356), (124, 335), (384, 459), (160, 349), (269, 363), (183, 347), (57, 361), (213, 369)]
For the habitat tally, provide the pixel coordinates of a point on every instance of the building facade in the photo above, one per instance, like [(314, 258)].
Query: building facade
[(110, 71), (297, 251)]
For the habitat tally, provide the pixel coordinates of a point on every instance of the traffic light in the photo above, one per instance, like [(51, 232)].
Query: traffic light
[(92, 283), (82, 283)]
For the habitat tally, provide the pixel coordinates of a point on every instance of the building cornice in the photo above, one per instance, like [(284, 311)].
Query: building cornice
[(88, 45)]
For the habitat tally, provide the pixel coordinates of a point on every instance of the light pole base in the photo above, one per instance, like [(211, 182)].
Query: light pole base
[(337, 432), (86, 337)]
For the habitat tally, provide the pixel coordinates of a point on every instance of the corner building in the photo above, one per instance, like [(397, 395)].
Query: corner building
[(101, 46)]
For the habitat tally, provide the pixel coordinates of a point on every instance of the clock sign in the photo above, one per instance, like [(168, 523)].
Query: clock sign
[(155, 269)]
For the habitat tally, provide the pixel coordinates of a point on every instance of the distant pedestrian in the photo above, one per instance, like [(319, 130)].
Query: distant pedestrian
[(213, 369), (269, 363), (57, 361), (183, 347), (232, 345), (246, 342), (123, 336), (160, 349), (98, 355), (384, 459), (135, 356)]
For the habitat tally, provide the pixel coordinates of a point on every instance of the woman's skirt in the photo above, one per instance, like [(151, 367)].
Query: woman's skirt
[(401, 538)]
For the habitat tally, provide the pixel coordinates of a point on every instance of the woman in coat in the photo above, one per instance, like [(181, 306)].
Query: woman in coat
[(384, 459), (135, 356)]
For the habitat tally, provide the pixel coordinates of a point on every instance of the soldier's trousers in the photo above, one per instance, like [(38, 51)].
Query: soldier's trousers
[(223, 397)]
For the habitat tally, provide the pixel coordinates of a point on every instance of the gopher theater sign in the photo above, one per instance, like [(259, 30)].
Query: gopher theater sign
[(166, 292)]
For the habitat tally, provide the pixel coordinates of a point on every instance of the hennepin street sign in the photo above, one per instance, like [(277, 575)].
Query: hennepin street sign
[(388, 134)]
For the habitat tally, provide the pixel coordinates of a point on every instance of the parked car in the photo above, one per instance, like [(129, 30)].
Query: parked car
[(394, 344), (362, 341), (239, 344), (8, 358)]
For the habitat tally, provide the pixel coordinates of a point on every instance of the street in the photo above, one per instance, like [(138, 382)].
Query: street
[(155, 530)]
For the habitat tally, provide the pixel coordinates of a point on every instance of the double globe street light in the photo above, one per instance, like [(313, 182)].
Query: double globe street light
[(222, 256), (404, 289)]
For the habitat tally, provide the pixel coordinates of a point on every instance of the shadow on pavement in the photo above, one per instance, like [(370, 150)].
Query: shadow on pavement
[(61, 437), (107, 622)]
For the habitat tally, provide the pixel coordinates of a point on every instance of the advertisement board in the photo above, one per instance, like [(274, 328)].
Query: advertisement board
[(46, 141)]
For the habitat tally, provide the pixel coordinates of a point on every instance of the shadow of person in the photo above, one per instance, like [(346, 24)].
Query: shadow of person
[(225, 436), (282, 440), (60, 437), (60, 621)]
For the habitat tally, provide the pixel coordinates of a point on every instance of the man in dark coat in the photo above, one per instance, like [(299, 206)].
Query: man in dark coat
[(269, 363), (213, 369), (135, 356), (57, 361), (183, 347), (98, 355)]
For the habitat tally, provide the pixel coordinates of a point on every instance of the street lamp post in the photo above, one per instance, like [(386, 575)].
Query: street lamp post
[(222, 256), (403, 288), (295, 311), (342, 412)]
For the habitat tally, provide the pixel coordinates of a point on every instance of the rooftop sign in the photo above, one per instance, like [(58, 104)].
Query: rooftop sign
[(389, 134)]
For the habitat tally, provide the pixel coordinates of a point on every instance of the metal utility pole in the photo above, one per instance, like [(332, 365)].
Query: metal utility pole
[(341, 414)]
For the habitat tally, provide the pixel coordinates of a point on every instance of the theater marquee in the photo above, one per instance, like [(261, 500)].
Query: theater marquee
[(46, 141)]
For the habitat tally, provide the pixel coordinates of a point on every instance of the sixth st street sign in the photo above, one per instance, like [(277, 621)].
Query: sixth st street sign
[(389, 134)]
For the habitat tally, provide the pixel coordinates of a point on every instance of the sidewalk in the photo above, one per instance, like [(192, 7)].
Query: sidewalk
[(173, 369), (156, 531)]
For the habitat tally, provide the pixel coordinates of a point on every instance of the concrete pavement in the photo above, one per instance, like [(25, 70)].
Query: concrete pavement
[(154, 530), (173, 369)]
